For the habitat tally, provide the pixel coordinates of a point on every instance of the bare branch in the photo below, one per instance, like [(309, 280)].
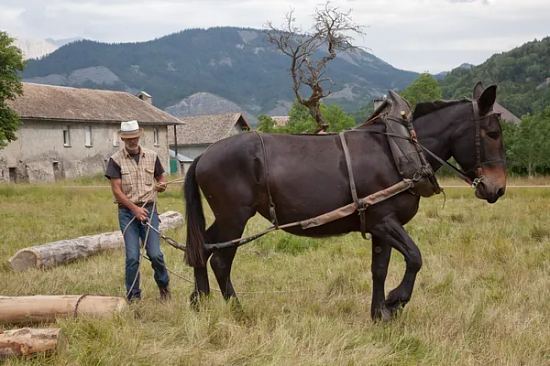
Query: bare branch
[(331, 30)]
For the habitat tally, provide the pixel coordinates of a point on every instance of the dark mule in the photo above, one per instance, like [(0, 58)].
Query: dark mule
[(307, 177)]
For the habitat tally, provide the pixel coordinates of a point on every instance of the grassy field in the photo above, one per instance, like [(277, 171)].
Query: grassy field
[(482, 297)]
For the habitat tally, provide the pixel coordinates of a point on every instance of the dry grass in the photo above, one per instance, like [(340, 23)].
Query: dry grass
[(482, 297)]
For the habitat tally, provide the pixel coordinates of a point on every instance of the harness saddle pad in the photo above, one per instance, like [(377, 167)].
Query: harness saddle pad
[(409, 159)]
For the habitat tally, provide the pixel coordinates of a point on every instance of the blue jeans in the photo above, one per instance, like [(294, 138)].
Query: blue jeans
[(134, 234)]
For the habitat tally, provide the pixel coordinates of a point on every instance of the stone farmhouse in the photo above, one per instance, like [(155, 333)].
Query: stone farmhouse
[(71, 132), (198, 132)]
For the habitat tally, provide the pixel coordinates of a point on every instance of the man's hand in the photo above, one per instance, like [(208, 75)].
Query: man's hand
[(141, 213), (160, 186)]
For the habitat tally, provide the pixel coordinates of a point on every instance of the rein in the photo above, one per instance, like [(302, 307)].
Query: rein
[(477, 169)]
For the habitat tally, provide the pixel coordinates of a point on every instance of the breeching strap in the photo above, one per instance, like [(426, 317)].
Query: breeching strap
[(360, 206)]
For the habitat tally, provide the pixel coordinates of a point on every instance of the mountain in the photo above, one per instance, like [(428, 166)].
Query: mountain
[(202, 103), (441, 75), (206, 103), (522, 76), (35, 48), (236, 64)]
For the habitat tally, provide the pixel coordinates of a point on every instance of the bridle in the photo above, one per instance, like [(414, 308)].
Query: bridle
[(477, 169)]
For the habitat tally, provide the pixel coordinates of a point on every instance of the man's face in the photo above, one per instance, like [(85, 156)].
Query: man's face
[(131, 144)]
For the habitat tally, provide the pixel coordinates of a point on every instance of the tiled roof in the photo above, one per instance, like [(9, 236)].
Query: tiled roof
[(505, 114), (50, 102), (207, 129)]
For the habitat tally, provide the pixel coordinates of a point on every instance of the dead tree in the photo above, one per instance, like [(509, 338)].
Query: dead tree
[(310, 53)]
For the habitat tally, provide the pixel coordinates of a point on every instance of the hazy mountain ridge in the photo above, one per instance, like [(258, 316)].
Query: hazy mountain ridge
[(36, 48), (234, 63)]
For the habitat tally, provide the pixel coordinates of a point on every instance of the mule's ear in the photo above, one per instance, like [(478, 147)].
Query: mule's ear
[(487, 99), (478, 89)]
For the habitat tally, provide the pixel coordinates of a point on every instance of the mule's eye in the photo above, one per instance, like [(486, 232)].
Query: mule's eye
[(493, 134)]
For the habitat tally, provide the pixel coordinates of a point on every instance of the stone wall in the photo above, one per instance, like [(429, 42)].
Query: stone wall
[(42, 154)]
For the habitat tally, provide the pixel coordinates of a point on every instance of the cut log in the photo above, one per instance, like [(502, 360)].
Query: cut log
[(46, 308), (27, 341), (65, 251)]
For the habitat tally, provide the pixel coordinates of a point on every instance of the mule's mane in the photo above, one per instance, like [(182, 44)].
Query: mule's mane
[(424, 108)]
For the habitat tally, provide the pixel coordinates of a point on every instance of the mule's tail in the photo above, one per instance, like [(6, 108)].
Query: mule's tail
[(194, 254)]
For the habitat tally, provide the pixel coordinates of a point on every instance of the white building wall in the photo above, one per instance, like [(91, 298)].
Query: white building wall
[(39, 154)]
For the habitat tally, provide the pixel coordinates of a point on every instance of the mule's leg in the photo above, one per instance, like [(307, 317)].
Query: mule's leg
[(400, 240), (229, 228), (221, 265), (381, 253)]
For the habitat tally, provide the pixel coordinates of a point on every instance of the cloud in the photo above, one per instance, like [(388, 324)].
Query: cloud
[(410, 34), (484, 2)]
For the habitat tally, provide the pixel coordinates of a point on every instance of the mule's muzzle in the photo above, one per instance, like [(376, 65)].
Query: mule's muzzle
[(490, 192)]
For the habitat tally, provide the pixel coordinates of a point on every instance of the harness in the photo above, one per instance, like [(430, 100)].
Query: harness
[(414, 179), (477, 169), (360, 206), (418, 179)]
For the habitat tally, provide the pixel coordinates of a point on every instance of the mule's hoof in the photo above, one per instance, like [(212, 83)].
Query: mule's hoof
[(383, 314), (234, 303), (396, 301), (194, 300)]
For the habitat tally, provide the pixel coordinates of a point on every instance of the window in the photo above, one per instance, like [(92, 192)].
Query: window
[(115, 138), (88, 136), (66, 137), (156, 136)]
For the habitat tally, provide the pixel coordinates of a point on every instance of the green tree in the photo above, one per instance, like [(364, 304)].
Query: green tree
[(301, 121), (527, 144), (266, 124), (424, 89), (337, 119), (11, 63), (364, 112)]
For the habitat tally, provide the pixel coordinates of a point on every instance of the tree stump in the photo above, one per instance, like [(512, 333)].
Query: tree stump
[(65, 251)]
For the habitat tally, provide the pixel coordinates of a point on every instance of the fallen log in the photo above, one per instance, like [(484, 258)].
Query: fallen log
[(65, 251), (27, 341), (46, 308)]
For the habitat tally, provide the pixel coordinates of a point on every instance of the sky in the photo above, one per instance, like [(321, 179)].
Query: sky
[(417, 35)]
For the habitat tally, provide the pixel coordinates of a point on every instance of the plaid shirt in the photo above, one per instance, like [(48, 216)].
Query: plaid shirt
[(137, 178)]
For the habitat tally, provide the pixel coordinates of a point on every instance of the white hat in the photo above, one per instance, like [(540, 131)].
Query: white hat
[(130, 130)]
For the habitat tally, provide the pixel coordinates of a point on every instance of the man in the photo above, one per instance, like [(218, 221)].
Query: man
[(136, 176)]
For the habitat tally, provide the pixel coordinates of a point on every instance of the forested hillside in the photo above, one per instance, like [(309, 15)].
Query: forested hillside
[(522, 75), (234, 63)]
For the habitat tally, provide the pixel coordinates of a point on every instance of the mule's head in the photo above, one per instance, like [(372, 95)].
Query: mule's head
[(479, 147)]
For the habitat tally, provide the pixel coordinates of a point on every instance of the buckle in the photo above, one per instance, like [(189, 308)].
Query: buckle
[(476, 181)]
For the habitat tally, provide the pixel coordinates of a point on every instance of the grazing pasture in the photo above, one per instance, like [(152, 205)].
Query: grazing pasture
[(482, 297)]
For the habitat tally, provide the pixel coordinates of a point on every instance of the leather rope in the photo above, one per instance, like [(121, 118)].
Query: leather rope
[(75, 313)]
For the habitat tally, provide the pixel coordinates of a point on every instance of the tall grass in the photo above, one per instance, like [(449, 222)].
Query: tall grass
[(482, 297)]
